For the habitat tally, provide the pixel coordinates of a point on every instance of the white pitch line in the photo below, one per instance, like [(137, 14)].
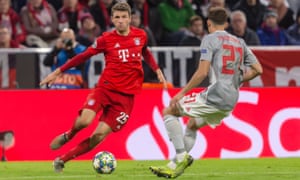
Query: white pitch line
[(48, 177), (149, 175)]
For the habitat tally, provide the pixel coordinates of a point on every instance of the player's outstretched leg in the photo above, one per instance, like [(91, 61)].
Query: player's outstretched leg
[(58, 165), (172, 169), (59, 141)]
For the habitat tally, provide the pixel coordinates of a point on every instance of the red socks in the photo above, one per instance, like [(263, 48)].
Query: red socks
[(81, 148)]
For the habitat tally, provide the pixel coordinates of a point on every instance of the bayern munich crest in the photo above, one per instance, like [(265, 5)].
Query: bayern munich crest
[(137, 41)]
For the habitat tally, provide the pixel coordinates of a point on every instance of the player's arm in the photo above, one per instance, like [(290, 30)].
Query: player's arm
[(149, 59), (252, 62), (254, 70), (73, 62), (199, 75)]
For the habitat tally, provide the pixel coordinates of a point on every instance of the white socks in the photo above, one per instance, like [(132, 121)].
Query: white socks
[(179, 157), (189, 139), (182, 143), (175, 132)]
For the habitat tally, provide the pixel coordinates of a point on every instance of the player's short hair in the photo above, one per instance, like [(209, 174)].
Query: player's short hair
[(218, 15), (121, 6)]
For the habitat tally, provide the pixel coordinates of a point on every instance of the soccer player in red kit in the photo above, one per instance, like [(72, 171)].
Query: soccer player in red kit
[(114, 94)]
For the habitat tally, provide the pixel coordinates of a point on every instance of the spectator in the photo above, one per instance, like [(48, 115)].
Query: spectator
[(197, 7), (6, 41), (89, 30), (195, 32), (100, 10), (18, 4), (285, 14), (149, 74), (69, 15), (270, 33), (136, 21), (193, 37), (214, 3), (154, 3), (66, 47), (143, 7), (7, 61), (231, 3), (294, 5), (85, 3), (10, 19), (56, 4), (175, 15), (40, 21), (293, 31), (254, 11), (238, 27), (148, 12)]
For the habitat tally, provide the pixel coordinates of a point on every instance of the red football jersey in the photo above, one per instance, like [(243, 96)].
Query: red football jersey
[(123, 60)]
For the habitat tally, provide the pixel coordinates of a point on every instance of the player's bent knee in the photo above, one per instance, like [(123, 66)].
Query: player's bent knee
[(86, 117), (192, 124), (82, 122), (171, 111), (199, 122), (167, 111)]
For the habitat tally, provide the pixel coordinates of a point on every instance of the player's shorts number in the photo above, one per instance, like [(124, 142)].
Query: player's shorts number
[(122, 119), (190, 98)]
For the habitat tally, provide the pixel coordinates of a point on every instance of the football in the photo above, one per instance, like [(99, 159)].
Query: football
[(104, 162)]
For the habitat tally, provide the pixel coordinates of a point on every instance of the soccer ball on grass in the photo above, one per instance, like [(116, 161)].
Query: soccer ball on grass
[(104, 162)]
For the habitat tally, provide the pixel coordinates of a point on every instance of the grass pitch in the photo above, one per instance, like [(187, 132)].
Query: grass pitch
[(212, 169)]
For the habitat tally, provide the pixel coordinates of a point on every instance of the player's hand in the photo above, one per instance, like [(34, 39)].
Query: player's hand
[(174, 101), (161, 78), (51, 77)]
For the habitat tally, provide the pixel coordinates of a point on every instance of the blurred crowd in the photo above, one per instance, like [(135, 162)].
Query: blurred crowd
[(38, 23)]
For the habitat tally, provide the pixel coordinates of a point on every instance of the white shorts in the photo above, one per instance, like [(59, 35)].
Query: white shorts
[(194, 106)]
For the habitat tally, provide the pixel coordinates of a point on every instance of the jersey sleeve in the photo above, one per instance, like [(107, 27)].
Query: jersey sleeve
[(95, 48), (249, 57), (149, 59), (206, 49)]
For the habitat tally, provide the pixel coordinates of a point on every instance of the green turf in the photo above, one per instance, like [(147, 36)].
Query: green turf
[(216, 169)]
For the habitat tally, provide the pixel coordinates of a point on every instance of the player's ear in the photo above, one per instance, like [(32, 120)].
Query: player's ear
[(208, 22), (226, 25)]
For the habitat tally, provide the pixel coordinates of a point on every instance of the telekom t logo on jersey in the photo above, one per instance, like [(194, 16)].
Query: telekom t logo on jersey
[(123, 54)]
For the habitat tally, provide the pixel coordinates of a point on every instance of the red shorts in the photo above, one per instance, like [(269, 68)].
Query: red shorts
[(116, 106)]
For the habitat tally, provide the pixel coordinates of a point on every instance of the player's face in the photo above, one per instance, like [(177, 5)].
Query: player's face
[(121, 21)]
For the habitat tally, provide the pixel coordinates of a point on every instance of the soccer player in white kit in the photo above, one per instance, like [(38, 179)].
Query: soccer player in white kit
[(223, 58)]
